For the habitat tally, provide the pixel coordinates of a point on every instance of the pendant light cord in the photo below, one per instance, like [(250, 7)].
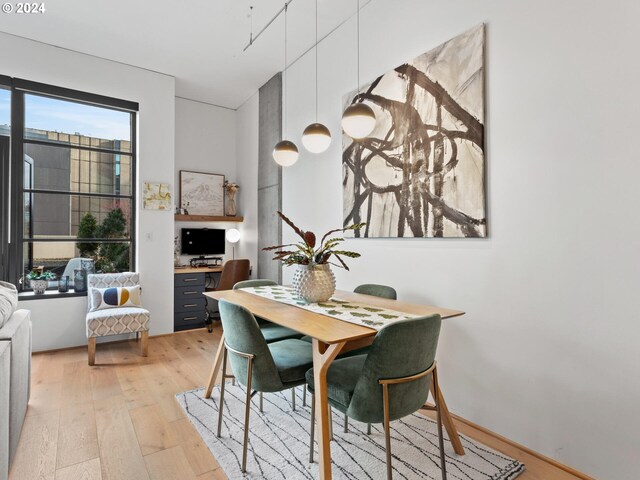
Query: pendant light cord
[(358, 44), (316, 61), (251, 25), (286, 7)]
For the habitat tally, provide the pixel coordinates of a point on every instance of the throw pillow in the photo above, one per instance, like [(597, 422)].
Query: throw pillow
[(8, 301), (114, 297)]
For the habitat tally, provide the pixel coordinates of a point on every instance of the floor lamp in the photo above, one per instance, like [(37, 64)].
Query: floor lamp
[(233, 237)]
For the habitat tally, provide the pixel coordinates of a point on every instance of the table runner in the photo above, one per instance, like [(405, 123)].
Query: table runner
[(352, 312)]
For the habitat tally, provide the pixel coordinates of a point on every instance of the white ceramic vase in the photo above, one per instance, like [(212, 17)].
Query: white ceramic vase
[(314, 283)]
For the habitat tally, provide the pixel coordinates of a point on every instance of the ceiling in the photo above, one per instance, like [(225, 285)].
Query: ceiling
[(199, 42)]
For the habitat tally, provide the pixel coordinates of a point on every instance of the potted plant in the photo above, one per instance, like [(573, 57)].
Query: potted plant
[(39, 280), (313, 280)]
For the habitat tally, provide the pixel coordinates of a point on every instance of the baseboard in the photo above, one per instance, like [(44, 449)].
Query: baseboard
[(527, 450), (112, 342)]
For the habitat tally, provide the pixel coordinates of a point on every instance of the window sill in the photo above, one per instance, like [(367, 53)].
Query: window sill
[(23, 296)]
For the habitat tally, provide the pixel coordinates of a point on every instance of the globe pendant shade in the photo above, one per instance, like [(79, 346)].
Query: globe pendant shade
[(285, 153), (358, 120), (316, 138)]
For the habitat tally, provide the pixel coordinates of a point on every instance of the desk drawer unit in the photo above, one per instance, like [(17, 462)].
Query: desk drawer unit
[(189, 310)]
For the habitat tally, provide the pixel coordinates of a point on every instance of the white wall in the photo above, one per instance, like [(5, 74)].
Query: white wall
[(206, 142), (247, 155), (547, 353), (60, 323)]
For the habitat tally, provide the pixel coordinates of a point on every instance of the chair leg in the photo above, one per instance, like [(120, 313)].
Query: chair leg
[(247, 410), (346, 423), (221, 407), (387, 429), (368, 429), (443, 462), (331, 423), (293, 399), (144, 343), (313, 427), (91, 346), (304, 395), (261, 411)]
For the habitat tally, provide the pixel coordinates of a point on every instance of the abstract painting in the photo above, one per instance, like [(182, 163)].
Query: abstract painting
[(202, 193), (156, 196), (420, 173)]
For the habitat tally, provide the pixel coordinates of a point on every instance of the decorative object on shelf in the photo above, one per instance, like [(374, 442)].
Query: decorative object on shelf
[(313, 281), (63, 284), (231, 189), (285, 153), (233, 237), (358, 119), (201, 193), (80, 280), (428, 181), (156, 196), (39, 280), (316, 138)]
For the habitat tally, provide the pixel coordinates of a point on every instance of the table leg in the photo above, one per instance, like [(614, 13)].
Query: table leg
[(454, 438), (216, 367), (323, 355)]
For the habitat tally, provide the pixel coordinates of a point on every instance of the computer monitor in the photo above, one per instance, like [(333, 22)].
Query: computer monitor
[(202, 241)]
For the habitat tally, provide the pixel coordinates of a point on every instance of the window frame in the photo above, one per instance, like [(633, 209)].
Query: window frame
[(13, 214)]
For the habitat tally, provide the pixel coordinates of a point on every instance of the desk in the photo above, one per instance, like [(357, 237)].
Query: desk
[(330, 337)]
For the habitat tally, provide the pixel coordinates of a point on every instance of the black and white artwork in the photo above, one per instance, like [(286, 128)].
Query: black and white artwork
[(420, 173)]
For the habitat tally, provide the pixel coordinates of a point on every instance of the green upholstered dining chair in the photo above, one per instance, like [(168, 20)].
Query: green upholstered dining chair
[(375, 290), (259, 366), (390, 382), (272, 332)]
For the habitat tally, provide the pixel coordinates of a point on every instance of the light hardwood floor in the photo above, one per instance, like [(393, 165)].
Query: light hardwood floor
[(119, 420)]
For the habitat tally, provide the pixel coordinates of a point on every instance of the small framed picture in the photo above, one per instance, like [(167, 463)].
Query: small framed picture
[(202, 193), (156, 196)]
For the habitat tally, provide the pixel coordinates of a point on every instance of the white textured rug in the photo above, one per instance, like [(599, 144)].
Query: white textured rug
[(279, 443)]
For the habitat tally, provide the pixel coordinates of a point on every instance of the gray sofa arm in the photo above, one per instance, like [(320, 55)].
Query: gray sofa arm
[(17, 332)]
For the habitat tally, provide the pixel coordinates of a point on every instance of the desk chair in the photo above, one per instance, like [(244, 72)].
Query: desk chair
[(259, 366), (389, 383), (233, 271)]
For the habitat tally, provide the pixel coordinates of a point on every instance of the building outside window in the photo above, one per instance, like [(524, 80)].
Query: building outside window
[(76, 157)]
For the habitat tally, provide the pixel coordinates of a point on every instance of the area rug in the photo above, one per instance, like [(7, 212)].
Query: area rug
[(279, 443)]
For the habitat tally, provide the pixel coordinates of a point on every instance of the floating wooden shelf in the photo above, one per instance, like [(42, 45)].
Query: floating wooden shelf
[(206, 218)]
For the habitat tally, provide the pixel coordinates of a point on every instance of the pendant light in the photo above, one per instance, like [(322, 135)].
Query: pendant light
[(285, 153), (316, 137), (358, 120)]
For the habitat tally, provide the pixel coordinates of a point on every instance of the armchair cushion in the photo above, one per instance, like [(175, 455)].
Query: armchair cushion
[(114, 321), (114, 297)]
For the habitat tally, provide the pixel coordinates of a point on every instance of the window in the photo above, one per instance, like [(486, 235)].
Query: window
[(72, 181)]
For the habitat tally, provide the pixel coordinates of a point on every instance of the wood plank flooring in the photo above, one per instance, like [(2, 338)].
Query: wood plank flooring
[(119, 420)]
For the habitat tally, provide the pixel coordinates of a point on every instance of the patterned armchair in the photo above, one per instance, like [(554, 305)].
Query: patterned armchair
[(118, 320)]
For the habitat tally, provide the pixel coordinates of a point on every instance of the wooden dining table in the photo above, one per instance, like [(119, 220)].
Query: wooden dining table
[(330, 336)]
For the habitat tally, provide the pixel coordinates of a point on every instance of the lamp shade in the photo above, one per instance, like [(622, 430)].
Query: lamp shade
[(316, 138), (285, 153), (233, 235), (358, 120)]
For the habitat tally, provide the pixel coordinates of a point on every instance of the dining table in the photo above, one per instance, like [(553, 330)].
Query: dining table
[(330, 337)]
